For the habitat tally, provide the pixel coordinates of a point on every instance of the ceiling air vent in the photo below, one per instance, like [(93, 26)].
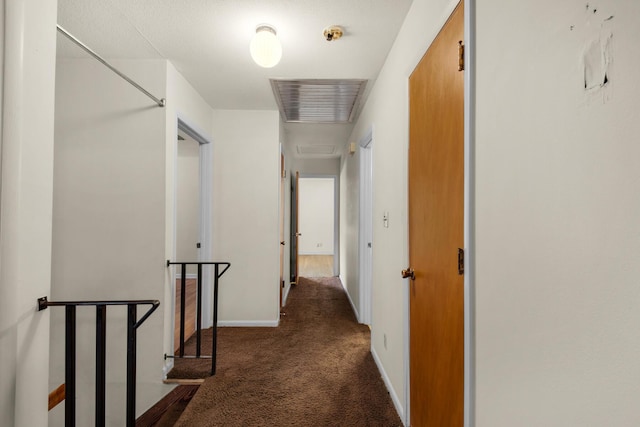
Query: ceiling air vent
[(318, 101), (316, 149)]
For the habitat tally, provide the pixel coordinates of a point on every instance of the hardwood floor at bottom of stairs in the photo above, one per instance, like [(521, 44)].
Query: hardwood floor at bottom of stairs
[(189, 313), (166, 412)]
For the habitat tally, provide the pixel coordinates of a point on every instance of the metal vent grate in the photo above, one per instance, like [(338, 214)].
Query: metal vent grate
[(316, 149), (318, 101)]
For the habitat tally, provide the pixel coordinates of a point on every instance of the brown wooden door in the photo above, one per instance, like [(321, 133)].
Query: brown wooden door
[(436, 211)]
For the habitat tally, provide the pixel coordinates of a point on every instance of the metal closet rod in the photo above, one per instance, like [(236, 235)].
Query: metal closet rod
[(161, 102)]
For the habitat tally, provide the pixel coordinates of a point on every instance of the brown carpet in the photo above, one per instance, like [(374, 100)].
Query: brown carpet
[(315, 369)]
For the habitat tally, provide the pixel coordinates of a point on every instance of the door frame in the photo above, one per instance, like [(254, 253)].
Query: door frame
[(365, 235), (336, 216), (469, 212), (468, 222), (281, 224), (204, 215), (294, 229)]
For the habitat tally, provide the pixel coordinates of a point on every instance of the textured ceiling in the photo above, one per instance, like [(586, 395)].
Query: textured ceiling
[(208, 42)]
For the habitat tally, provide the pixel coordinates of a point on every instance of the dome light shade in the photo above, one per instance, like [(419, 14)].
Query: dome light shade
[(265, 47)]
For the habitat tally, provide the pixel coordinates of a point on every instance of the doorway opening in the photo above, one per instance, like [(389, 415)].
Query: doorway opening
[(281, 226), (365, 241), (318, 226), (192, 225)]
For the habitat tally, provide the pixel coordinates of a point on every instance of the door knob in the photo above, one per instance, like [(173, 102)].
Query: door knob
[(408, 274), (298, 234), (282, 243)]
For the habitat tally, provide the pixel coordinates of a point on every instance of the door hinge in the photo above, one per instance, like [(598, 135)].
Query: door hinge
[(460, 261), (460, 56)]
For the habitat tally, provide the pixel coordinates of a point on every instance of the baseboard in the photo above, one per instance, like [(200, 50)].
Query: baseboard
[(353, 306), (286, 295), (387, 382), (248, 323)]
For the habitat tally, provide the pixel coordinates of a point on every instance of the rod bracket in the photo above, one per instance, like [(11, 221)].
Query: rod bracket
[(43, 303)]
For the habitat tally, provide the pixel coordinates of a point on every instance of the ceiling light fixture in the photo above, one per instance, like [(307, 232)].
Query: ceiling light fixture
[(265, 47), (332, 33)]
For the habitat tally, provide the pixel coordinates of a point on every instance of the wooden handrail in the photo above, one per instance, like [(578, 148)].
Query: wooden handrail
[(56, 396)]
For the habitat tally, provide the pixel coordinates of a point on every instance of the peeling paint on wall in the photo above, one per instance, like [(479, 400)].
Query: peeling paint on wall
[(597, 59), (596, 56)]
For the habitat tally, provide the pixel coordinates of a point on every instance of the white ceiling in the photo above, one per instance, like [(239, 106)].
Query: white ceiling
[(208, 42)]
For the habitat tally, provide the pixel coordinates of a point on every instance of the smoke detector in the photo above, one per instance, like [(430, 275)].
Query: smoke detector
[(332, 33)]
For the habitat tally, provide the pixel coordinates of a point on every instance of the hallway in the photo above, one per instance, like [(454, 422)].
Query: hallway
[(316, 266), (316, 368)]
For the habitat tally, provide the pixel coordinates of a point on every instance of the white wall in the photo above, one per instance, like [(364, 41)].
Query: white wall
[(318, 166), (188, 202), (109, 221), (246, 184), (316, 217), (386, 111), (557, 253), (28, 34)]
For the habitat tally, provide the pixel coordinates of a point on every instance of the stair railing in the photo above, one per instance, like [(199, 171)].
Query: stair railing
[(217, 274), (101, 346)]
